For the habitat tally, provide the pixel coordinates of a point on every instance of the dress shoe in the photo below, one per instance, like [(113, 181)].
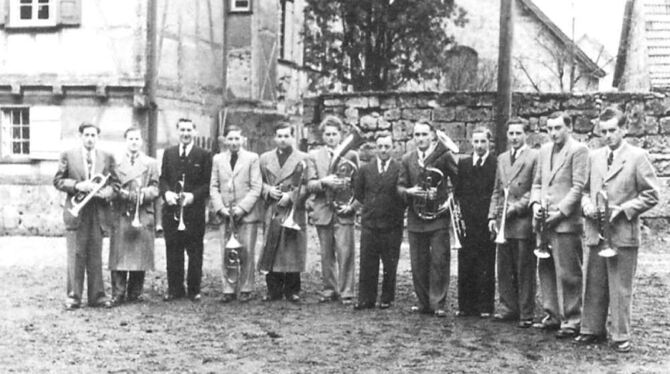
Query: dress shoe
[(294, 298), (328, 298), (268, 298), (195, 298), (589, 339), (546, 324), (384, 305), (135, 299), (484, 315), (102, 303), (245, 297), (421, 310), (228, 297), (361, 306), (347, 300), (622, 347), (525, 323), (440, 313), (171, 297), (72, 305), (116, 301), (499, 317), (565, 333)]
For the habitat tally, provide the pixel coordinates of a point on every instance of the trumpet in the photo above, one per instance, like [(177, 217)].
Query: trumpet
[(136, 219), (288, 222), (543, 247), (500, 238), (457, 221), (233, 243), (79, 200), (604, 225), (179, 215)]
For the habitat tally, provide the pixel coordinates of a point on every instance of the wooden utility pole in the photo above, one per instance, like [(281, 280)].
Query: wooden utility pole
[(150, 78), (217, 130), (504, 98)]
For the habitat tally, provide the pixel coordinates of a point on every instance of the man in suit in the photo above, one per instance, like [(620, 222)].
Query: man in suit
[(131, 249), (559, 181), (381, 225), (515, 261), (191, 165), (623, 172), (284, 252), (476, 260), (428, 238), (76, 171), (235, 188), (334, 226)]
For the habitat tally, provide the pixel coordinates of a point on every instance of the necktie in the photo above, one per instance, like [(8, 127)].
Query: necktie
[(89, 164), (479, 162), (513, 156), (182, 154), (422, 158), (610, 159), (133, 157), (233, 160), (384, 165)]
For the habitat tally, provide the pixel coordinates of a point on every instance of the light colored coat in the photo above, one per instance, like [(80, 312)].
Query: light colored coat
[(519, 179), (630, 183), (562, 185), (322, 212), (132, 249), (242, 185), (293, 246)]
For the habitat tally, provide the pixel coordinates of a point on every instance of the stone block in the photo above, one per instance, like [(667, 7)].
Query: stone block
[(444, 114), (402, 130), (643, 125), (383, 124), (465, 114), (658, 107), (665, 125), (657, 144), (450, 99), (415, 114), (470, 128), (582, 124), (535, 108), (661, 164), (357, 102), (535, 140), (351, 115), (333, 102), (386, 102), (416, 100), (579, 102), (369, 121), (662, 209), (392, 114)]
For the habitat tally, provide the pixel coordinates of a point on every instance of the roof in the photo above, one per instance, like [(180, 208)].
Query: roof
[(564, 39), (656, 17)]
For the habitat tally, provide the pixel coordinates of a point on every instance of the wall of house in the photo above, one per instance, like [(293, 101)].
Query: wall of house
[(534, 50), (458, 114)]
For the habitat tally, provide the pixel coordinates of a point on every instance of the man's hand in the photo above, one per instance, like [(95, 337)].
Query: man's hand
[(85, 186), (345, 210), (553, 218), (188, 198), (237, 212), (223, 212), (493, 227), (416, 191), (285, 200), (590, 211), (330, 181), (537, 211), (615, 210), (275, 193), (171, 198)]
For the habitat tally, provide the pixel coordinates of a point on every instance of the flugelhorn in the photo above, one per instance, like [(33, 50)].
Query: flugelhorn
[(179, 215), (543, 247), (80, 200), (500, 238), (604, 225)]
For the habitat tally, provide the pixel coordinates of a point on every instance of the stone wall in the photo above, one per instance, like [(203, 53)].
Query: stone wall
[(458, 113)]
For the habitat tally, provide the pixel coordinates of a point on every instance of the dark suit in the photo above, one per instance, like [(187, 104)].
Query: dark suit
[(476, 260), (428, 239), (381, 233), (197, 168), (84, 232)]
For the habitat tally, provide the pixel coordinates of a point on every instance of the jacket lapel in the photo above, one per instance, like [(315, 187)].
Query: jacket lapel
[(519, 164), (560, 158), (289, 165), (617, 164)]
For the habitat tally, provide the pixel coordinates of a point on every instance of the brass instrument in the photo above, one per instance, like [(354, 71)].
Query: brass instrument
[(500, 237), (233, 246), (80, 199), (543, 247), (232, 243), (457, 221), (430, 206), (604, 225), (342, 194), (179, 214), (136, 219), (288, 222)]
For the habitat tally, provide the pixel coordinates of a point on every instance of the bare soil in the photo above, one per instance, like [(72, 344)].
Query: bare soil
[(38, 335)]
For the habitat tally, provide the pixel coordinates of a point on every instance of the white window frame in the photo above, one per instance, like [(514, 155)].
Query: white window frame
[(7, 138), (15, 14), (235, 8)]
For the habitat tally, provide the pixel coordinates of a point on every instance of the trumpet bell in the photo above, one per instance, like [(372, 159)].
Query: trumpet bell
[(607, 252), (500, 238), (290, 224), (541, 253), (233, 243)]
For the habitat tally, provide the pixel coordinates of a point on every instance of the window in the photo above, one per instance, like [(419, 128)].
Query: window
[(33, 13), (240, 5), (15, 132)]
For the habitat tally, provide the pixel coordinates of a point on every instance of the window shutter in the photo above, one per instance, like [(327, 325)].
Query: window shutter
[(70, 12), (45, 132)]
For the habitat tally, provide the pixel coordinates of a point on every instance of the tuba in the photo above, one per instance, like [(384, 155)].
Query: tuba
[(345, 170), (500, 237), (543, 247), (80, 199), (604, 225), (430, 206)]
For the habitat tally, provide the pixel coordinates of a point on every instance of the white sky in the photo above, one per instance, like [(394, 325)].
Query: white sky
[(600, 19)]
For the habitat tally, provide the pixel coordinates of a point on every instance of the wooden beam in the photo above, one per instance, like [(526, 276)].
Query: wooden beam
[(504, 97)]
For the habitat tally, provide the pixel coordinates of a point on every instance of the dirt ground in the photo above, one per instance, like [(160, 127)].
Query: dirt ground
[(38, 335)]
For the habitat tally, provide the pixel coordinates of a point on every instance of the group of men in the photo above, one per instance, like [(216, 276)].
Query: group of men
[(554, 194)]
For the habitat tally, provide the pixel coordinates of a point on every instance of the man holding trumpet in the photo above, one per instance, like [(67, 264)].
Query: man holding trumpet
[(623, 181), (510, 221), (131, 248), (86, 175)]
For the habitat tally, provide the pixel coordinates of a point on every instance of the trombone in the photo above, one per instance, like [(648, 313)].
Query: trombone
[(604, 225), (80, 199), (500, 237), (543, 247)]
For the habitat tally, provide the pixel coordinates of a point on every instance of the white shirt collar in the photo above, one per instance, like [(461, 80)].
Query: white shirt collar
[(616, 151), (427, 152), (188, 148), (475, 157), (379, 165)]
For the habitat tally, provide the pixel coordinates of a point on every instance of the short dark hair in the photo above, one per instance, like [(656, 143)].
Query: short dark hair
[(187, 120), (331, 121), (131, 129), (283, 125), (612, 112), (566, 118), (383, 134), (84, 125), (425, 121), (232, 128), (483, 130), (518, 121)]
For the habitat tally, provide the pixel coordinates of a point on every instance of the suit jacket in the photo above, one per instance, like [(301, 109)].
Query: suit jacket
[(630, 183), (473, 190), (519, 179), (562, 185), (383, 207), (410, 172), (198, 171), (71, 170), (130, 248), (322, 212), (241, 185)]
